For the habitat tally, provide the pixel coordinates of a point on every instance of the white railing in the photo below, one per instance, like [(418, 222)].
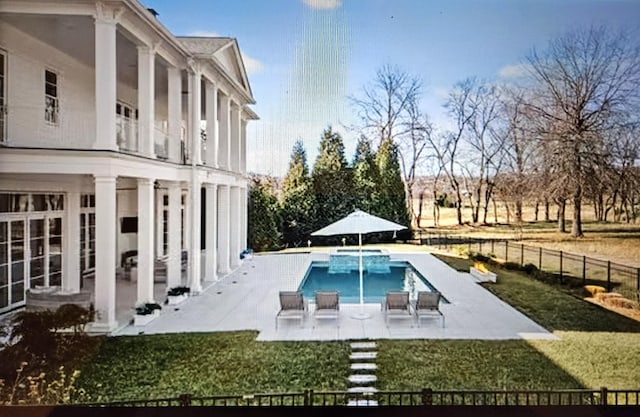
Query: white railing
[(127, 134), (161, 143)]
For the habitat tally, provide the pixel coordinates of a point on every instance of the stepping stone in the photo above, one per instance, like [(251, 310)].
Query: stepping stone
[(363, 345), (362, 403), (363, 390), (364, 366), (362, 379), (363, 355)]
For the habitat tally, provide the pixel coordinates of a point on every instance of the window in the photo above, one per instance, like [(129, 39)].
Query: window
[(51, 103)]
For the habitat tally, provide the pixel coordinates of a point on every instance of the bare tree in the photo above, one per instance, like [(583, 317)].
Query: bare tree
[(588, 81), (389, 109)]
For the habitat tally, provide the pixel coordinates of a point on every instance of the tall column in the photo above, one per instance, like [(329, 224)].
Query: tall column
[(158, 235), (224, 117), (195, 79), (243, 147), (71, 238), (174, 236), (146, 100), (211, 232), (145, 240), (105, 81), (105, 276), (212, 124), (223, 229), (245, 219), (234, 148), (194, 245), (234, 218), (174, 110)]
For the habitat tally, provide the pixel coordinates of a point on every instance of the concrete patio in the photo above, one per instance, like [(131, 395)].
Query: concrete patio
[(247, 299)]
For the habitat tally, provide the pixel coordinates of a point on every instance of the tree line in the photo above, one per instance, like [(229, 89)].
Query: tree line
[(561, 134), (285, 215)]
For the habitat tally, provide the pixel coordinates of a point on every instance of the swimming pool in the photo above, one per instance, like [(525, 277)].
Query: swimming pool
[(401, 276)]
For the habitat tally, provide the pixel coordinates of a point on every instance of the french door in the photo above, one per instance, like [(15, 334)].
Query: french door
[(30, 255), (3, 96)]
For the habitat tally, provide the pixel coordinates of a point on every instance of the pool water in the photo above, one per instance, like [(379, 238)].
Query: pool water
[(400, 276)]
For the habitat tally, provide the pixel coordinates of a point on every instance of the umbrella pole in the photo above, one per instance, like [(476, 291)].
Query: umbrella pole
[(361, 315)]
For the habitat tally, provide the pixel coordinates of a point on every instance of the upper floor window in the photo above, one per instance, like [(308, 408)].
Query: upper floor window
[(51, 100)]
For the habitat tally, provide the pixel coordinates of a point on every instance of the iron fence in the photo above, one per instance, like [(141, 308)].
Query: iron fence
[(620, 278), (425, 397)]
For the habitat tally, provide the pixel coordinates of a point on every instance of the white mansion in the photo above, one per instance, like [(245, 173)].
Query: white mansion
[(117, 138)]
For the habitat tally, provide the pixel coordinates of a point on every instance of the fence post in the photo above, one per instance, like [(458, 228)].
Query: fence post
[(609, 276), (480, 246), (521, 254), (540, 259), (584, 270), (506, 251), (603, 395), (308, 397), (427, 396), (185, 400), (560, 266), (638, 286), (494, 251)]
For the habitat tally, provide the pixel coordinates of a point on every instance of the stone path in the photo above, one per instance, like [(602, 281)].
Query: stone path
[(362, 379)]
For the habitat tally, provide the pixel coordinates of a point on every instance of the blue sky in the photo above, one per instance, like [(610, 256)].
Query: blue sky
[(305, 57)]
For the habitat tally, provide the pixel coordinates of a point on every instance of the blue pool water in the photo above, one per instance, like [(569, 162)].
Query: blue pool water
[(401, 276)]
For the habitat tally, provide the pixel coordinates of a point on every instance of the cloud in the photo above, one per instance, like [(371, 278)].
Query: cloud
[(513, 71), (323, 4), (252, 65), (205, 33)]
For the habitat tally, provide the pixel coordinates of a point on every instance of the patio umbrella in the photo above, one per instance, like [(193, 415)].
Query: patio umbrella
[(359, 223)]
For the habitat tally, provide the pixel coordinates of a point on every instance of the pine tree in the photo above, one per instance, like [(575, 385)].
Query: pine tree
[(298, 201), (365, 176), (263, 213), (392, 201), (332, 180)]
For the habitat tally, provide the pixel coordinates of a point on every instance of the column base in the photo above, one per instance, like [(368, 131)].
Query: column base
[(100, 327)]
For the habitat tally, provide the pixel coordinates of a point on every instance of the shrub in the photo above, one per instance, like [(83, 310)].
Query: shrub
[(529, 268), (175, 291), (147, 308), (38, 390), (511, 266), (481, 258)]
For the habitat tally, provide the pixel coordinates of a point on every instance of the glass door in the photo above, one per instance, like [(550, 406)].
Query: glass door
[(12, 263), (37, 254)]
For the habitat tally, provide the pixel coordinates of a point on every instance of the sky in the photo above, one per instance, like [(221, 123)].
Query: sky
[(305, 58)]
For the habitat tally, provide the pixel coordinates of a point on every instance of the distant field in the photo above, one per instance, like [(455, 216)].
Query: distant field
[(617, 242)]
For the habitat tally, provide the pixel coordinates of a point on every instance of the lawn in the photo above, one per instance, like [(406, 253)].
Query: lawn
[(164, 366), (597, 347)]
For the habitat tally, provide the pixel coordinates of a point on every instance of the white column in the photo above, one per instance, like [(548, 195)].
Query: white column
[(174, 235), (234, 148), (195, 78), (194, 245), (211, 232), (224, 116), (146, 100), (71, 237), (145, 240), (174, 110), (243, 147), (212, 124), (158, 235), (105, 276), (245, 219), (223, 229), (234, 223), (105, 83)]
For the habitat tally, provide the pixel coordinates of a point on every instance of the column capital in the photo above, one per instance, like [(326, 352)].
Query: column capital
[(104, 179), (146, 49), (210, 186), (146, 181), (194, 67), (107, 15)]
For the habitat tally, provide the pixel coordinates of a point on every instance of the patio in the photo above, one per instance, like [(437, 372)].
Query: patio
[(247, 299)]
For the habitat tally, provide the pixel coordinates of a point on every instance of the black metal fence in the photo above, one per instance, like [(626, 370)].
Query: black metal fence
[(613, 276), (425, 397)]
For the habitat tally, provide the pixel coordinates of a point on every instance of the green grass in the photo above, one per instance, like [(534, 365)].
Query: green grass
[(162, 366), (597, 347)]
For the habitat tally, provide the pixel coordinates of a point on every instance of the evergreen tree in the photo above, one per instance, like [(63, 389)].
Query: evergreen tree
[(298, 201), (365, 176), (391, 203), (263, 213), (332, 180)]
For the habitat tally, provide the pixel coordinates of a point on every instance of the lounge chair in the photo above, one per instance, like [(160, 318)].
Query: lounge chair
[(427, 305), (292, 306), (327, 306), (397, 305)]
